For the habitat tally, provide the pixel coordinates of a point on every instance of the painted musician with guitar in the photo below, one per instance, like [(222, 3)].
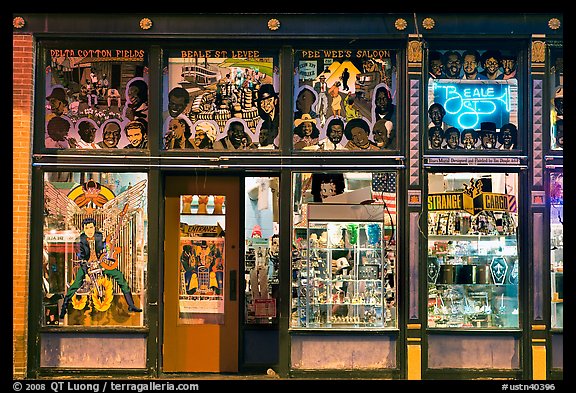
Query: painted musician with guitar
[(96, 252)]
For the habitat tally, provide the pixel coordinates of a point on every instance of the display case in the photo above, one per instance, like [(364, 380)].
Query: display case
[(343, 268), (472, 264), (557, 249)]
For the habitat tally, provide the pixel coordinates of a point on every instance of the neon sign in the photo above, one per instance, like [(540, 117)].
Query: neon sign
[(471, 102)]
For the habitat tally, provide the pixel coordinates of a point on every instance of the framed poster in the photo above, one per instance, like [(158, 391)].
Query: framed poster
[(201, 280)]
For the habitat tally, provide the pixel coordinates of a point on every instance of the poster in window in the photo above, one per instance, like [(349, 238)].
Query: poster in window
[(221, 100), (472, 100), (96, 99), (201, 281), (94, 248), (345, 100)]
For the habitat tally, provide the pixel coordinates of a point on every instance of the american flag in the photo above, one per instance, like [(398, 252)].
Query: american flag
[(384, 191)]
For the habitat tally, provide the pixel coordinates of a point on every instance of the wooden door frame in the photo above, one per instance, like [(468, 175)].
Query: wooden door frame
[(228, 334)]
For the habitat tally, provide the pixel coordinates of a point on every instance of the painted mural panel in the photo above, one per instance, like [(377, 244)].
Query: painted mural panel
[(96, 99), (345, 100), (472, 100), (221, 100), (95, 248)]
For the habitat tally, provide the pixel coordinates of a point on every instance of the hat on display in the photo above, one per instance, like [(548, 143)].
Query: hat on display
[(306, 118), (59, 94), (488, 126), (266, 91)]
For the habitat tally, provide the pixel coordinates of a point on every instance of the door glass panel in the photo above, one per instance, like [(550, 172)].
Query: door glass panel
[(202, 259), (262, 251)]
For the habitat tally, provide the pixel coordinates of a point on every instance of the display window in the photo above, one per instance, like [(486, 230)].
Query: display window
[(96, 99), (201, 286), (262, 250), (345, 100), (221, 99), (344, 270), (473, 248), (557, 248), (556, 85), (472, 101), (95, 249)]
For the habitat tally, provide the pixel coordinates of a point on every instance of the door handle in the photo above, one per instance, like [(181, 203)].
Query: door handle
[(233, 284)]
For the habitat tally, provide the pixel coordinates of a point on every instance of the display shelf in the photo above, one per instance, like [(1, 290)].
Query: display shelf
[(472, 270), (343, 275)]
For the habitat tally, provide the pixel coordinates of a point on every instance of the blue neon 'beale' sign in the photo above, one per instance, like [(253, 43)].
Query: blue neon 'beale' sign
[(471, 102)]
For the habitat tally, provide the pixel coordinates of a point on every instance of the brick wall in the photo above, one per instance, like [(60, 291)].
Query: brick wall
[(23, 66)]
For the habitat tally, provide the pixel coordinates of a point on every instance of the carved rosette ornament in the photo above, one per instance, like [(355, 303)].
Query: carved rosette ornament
[(145, 23), (273, 24), (428, 23), (538, 51), (18, 22), (415, 52), (400, 24), (554, 23)]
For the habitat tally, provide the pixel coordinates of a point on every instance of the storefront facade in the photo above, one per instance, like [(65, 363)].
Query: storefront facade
[(328, 195)]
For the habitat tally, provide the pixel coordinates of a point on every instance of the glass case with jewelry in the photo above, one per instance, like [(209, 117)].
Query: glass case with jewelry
[(472, 264)]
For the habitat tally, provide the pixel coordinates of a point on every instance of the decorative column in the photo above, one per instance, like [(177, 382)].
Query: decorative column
[(537, 207), (414, 325)]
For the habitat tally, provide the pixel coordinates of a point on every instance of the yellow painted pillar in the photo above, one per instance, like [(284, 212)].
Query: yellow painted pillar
[(538, 359), (415, 361), (538, 352), (414, 351)]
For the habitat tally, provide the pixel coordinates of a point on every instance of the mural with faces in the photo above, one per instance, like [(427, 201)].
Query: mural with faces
[(92, 95), (221, 100), (472, 100), (339, 93)]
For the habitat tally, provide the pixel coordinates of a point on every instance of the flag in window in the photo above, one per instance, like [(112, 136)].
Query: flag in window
[(384, 192)]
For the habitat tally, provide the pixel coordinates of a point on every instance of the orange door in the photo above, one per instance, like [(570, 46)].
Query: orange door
[(201, 274)]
